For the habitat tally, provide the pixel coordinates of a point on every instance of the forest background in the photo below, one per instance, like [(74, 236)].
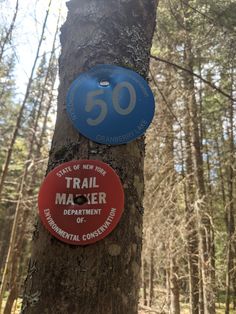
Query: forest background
[(189, 241)]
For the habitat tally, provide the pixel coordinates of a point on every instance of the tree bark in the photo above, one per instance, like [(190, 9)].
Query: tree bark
[(174, 287), (5, 231), (205, 232), (230, 210), (104, 277), (191, 228), (151, 278), (10, 300), (144, 285), (13, 291)]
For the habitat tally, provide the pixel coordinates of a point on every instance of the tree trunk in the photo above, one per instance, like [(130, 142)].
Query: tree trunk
[(230, 211), (168, 292), (144, 285), (168, 174), (229, 267), (22, 214), (13, 291), (8, 34), (103, 277), (191, 229), (201, 297), (205, 243), (234, 287), (5, 231), (10, 300), (174, 288), (151, 278), (11, 248)]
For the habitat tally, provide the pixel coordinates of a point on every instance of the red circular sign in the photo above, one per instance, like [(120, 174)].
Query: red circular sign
[(81, 201)]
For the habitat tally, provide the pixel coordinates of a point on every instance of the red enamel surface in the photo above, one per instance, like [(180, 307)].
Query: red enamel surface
[(81, 224)]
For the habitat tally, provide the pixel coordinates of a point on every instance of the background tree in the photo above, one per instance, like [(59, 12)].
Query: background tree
[(188, 47), (27, 162)]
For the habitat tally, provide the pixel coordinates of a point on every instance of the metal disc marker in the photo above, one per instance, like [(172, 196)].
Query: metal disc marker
[(110, 104), (81, 202)]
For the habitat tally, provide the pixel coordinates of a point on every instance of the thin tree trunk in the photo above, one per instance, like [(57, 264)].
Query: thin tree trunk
[(201, 297), (11, 249), (13, 291), (16, 258), (205, 226), (18, 211), (22, 108), (104, 277), (45, 120), (168, 292), (193, 268), (51, 96), (18, 229), (191, 229), (144, 285), (234, 287), (229, 267), (211, 209), (9, 31), (230, 211), (219, 156), (15, 307), (151, 279), (174, 287), (10, 300), (5, 230)]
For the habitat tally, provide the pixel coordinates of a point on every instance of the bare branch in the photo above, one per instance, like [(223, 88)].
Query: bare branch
[(213, 86)]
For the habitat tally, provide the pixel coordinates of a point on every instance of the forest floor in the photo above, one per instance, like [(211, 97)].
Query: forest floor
[(220, 309), (184, 309)]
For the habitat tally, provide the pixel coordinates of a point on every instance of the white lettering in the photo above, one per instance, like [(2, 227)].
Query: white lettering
[(101, 229), (64, 171), (68, 181), (70, 200), (100, 170), (88, 167), (102, 198), (92, 198), (84, 184), (60, 198), (76, 183)]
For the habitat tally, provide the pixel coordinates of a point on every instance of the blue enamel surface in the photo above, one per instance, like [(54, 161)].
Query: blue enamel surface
[(115, 128)]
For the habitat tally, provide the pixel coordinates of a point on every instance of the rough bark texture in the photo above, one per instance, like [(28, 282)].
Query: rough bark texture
[(203, 211), (174, 286), (151, 279), (104, 277), (205, 232), (144, 285), (191, 228), (230, 211)]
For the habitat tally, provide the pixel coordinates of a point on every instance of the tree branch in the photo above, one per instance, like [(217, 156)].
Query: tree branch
[(213, 86)]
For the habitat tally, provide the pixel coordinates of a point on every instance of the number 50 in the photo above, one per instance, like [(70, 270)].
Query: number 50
[(91, 102)]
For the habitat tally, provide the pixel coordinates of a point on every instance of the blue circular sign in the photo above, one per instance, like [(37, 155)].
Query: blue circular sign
[(110, 104)]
